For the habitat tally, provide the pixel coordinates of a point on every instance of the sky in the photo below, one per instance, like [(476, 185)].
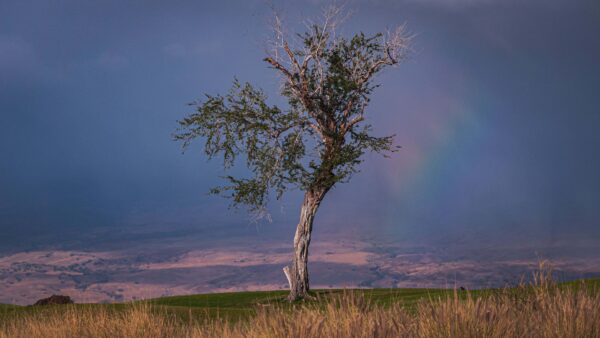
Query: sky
[(497, 112)]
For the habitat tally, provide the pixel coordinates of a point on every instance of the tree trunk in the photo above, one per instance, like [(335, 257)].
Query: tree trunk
[(297, 275)]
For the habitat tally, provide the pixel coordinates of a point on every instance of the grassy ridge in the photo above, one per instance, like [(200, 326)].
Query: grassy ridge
[(541, 310), (8, 307), (236, 305)]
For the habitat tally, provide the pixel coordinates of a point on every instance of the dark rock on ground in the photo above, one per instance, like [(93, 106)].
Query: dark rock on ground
[(54, 299)]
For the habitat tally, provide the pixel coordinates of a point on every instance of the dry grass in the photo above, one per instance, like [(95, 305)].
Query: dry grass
[(544, 310)]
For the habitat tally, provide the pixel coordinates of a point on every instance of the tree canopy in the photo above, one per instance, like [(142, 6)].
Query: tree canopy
[(319, 138)]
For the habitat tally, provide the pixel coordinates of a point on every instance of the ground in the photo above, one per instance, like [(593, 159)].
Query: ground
[(235, 305)]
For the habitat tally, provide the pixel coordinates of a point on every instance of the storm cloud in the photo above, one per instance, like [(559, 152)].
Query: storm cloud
[(497, 112)]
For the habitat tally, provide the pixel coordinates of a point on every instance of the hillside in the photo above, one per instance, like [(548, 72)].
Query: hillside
[(235, 305), (542, 310)]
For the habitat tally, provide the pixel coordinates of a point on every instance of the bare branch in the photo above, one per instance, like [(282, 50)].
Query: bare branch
[(348, 126), (291, 55), (279, 67), (396, 45)]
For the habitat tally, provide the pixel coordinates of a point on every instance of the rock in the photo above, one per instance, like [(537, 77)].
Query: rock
[(54, 299)]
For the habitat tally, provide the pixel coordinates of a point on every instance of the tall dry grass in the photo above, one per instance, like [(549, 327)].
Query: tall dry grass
[(544, 310), (139, 320)]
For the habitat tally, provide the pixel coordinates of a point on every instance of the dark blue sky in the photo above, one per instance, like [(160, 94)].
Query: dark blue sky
[(497, 112)]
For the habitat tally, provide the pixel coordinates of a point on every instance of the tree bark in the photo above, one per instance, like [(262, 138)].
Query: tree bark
[(297, 275)]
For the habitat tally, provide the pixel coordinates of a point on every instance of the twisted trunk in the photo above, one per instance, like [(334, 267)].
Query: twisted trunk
[(297, 275)]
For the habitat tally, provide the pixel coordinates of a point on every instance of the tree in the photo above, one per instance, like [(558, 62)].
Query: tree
[(317, 141)]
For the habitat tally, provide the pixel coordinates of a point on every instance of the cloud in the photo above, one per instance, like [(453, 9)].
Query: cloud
[(16, 55), (112, 61), (22, 65), (175, 50), (453, 3), (467, 4), (180, 50)]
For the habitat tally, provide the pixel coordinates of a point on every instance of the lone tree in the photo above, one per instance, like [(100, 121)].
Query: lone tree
[(315, 142)]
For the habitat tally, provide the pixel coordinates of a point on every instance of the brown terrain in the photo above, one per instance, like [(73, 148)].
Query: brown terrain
[(144, 272)]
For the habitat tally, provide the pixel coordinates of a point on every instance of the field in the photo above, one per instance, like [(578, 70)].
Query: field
[(544, 310)]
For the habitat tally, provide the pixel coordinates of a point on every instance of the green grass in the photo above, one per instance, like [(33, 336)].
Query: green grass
[(593, 283), (237, 305), (241, 302), (7, 307)]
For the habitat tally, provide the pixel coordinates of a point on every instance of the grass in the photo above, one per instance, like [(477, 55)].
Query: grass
[(241, 305), (544, 309), (231, 306), (238, 304), (6, 307)]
